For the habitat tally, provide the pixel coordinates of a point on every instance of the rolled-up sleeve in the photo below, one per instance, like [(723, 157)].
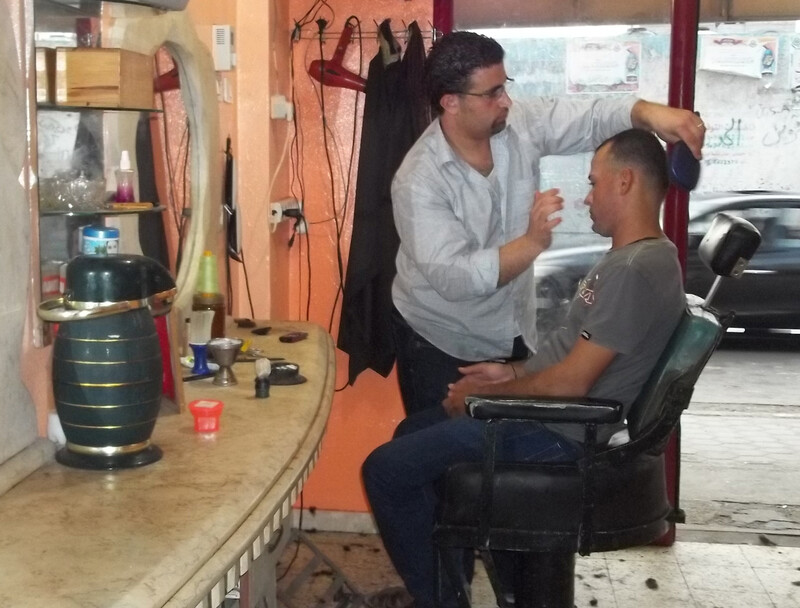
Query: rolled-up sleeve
[(456, 257), (569, 126)]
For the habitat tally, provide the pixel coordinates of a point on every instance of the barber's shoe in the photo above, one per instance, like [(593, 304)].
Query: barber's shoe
[(391, 597)]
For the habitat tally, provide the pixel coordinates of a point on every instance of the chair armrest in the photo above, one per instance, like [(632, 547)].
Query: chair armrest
[(583, 410)]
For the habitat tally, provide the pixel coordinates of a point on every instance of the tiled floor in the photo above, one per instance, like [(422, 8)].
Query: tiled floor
[(688, 574), (738, 483)]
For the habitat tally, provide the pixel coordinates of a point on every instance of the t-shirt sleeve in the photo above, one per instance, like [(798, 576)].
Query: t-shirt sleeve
[(622, 310)]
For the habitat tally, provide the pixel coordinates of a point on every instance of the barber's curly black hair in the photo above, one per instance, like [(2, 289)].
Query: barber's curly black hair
[(452, 61)]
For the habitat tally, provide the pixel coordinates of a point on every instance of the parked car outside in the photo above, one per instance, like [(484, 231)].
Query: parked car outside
[(765, 299)]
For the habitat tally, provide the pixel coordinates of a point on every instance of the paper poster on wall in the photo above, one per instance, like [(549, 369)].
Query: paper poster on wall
[(57, 133), (602, 66), (749, 56), (769, 57), (794, 72)]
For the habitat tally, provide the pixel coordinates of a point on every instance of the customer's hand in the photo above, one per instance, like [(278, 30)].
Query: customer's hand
[(456, 394), (477, 379)]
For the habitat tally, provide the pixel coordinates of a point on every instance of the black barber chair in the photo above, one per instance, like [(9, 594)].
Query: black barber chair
[(615, 496)]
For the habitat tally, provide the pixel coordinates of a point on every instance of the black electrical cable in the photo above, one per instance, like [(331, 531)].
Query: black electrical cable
[(339, 261), (179, 214), (321, 23), (295, 154), (186, 137), (296, 161), (296, 544), (347, 184), (247, 287), (338, 226), (309, 17), (165, 132)]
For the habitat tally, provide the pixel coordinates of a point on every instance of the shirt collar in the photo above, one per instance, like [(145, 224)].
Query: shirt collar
[(445, 154)]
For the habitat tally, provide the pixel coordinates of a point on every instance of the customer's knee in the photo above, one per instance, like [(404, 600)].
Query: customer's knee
[(373, 469), (421, 420)]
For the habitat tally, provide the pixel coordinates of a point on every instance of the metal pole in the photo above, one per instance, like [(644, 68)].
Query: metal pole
[(683, 56), (443, 16), (682, 64)]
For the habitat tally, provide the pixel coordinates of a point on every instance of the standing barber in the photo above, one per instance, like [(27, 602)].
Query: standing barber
[(471, 219)]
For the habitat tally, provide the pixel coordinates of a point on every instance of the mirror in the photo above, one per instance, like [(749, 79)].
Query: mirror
[(170, 148)]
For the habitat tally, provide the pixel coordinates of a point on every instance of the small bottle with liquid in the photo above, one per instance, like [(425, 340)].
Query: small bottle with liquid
[(125, 177), (207, 295)]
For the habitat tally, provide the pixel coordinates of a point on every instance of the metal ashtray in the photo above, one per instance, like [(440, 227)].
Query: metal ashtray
[(285, 373)]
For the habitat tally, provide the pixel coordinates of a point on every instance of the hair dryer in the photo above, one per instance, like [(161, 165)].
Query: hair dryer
[(331, 72)]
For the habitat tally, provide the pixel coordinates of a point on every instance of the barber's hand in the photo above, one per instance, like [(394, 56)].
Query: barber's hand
[(671, 124), (543, 216)]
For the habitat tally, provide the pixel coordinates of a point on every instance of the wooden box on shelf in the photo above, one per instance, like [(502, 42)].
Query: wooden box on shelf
[(45, 75), (103, 77)]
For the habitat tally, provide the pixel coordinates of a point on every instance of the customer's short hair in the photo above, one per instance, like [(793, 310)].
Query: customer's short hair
[(452, 61), (644, 150)]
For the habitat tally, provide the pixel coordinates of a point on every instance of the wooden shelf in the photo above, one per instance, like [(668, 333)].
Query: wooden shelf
[(154, 209), (50, 107)]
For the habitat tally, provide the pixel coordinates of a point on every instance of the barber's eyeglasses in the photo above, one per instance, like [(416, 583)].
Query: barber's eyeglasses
[(494, 93)]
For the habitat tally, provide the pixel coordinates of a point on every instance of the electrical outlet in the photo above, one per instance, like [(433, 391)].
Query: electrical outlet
[(285, 209), (275, 213), (281, 108)]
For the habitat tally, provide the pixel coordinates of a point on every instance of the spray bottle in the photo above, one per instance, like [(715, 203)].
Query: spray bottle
[(124, 179)]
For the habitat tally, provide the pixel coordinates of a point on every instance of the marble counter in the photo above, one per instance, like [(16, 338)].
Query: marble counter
[(179, 532)]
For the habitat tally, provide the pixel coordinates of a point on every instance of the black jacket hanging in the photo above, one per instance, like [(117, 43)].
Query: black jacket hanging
[(395, 114)]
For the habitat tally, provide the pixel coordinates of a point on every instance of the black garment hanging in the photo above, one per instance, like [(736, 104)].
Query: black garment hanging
[(395, 114), (152, 233)]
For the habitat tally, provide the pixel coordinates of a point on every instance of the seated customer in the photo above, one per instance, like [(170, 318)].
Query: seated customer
[(619, 321)]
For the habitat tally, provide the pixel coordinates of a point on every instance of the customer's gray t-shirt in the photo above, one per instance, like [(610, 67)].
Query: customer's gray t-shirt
[(630, 302)]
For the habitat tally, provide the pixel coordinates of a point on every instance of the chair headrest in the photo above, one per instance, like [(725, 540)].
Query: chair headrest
[(728, 245)]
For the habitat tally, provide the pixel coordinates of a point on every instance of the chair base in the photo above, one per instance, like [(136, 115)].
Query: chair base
[(540, 580), (546, 580)]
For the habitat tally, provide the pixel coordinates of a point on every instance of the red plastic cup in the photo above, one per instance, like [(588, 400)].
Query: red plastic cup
[(206, 414)]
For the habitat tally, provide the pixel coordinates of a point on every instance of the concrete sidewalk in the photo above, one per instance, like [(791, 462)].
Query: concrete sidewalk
[(740, 446)]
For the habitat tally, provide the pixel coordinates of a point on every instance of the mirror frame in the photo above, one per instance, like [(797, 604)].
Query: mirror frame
[(146, 30)]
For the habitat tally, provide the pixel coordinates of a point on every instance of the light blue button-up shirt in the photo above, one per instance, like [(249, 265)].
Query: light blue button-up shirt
[(452, 222)]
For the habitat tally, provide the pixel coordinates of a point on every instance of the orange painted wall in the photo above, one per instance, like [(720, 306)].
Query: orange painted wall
[(281, 285), (364, 415)]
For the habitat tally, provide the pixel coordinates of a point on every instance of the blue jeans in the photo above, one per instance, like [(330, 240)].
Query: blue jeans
[(399, 479), (423, 371)]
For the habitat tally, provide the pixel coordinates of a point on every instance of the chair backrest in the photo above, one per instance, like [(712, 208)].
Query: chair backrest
[(726, 249), (667, 391)]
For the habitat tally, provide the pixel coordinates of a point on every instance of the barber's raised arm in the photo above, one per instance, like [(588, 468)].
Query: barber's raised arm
[(670, 124)]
